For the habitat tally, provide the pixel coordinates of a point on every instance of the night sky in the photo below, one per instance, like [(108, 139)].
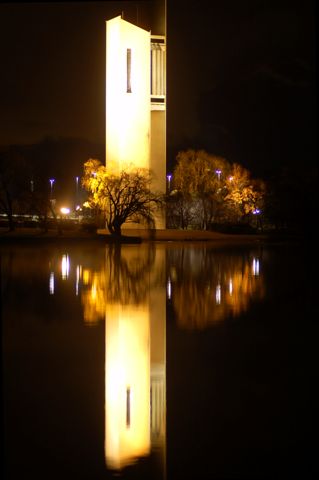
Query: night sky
[(241, 76)]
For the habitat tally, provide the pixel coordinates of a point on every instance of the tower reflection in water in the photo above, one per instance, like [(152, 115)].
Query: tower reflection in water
[(131, 291)]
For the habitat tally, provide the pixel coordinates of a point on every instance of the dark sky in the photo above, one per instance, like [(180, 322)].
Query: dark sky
[(241, 75)]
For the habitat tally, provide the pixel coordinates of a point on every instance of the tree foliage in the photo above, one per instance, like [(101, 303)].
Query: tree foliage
[(212, 190), (120, 196)]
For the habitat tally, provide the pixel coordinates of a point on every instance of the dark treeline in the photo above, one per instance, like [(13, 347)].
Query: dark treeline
[(26, 170)]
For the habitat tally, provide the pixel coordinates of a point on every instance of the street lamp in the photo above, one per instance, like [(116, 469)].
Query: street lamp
[(169, 178), (65, 210), (218, 173), (76, 191), (52, 180)]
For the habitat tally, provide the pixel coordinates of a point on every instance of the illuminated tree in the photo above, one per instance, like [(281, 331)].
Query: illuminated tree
[(199, 176), (245, 195), (208, 189), (120, 197)]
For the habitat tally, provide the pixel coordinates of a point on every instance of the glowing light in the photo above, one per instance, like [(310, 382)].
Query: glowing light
[(218, 295), (86, 277), (51, 283), (231, 178), (65, 210), (93, 292), (65, 266), (218, 173), (77, 281), (255, 266), (51, 180), (256, 211), (230, 287), (169, 289)]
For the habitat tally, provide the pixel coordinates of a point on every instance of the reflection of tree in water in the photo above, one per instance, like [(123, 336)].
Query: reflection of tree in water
[(126, 278), (208, 285), (127, 274)]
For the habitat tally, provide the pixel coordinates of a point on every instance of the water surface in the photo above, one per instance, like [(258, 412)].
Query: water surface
[(157, 361)]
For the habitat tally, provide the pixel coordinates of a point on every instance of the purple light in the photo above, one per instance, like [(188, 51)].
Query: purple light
[(51, 180)]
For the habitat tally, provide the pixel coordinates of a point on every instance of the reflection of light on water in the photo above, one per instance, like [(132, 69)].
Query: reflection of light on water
[(51, 283), (65, 266), (93, 292), (135, 407), (127, 385), (255, 266), (218, 294), (233, 285), (77, 281), (173, 273), (86, 277)]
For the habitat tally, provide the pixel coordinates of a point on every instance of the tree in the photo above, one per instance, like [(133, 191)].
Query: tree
[(13, 185), (180, 211), (120, 196), (244, 194), (199, 176), (207, 189)]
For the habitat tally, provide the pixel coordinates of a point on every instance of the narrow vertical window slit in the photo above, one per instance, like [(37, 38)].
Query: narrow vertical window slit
[(128, 407), (128, 70)]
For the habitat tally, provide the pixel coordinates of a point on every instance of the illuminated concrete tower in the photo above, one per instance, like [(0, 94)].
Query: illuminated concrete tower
[(135, 99)]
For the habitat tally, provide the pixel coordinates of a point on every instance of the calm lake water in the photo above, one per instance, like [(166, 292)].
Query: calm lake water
[(158, 361)]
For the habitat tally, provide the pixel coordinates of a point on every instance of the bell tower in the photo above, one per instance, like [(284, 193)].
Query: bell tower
[(136, 97)]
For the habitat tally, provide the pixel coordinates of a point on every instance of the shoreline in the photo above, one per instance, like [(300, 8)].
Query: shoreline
[(130, 236)]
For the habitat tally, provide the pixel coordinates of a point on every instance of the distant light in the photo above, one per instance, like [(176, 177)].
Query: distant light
[(169, 289), (256, 266), (65, 266), (169, 177), (218, 172), (256, 211), (230, 287), (78, 207), (51, 283), (218, 294), (51, 180), (65, 210), (93, 292), (77, 281), (231, 178)]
